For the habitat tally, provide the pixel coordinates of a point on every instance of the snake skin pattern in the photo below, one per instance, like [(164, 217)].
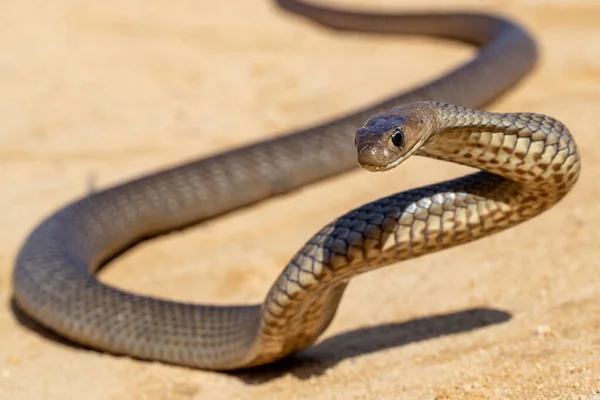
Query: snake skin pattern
[(529, 163)]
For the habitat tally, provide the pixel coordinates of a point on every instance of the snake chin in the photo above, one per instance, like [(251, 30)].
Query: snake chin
[(382, 168)]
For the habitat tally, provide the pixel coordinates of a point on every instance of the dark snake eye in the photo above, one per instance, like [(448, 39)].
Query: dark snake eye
[(398, 137)]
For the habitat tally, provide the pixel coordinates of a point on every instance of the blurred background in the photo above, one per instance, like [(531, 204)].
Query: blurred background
[(92, 93)]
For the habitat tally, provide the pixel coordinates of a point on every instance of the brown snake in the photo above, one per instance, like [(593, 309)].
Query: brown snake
[(528, 162)]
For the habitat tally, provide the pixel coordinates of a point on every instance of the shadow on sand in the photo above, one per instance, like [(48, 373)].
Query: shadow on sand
[(317, 359)]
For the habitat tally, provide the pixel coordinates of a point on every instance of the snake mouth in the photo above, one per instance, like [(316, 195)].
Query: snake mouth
[(382, 168), (374, 168)]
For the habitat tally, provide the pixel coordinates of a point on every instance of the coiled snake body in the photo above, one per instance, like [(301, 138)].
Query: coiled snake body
[(528, 163)]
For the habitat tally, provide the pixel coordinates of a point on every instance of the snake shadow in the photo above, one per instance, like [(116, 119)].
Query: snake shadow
[(317, 359)]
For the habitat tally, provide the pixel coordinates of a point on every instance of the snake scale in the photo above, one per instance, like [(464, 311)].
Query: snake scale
[(528, 162)]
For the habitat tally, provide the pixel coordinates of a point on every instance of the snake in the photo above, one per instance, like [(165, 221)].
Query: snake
[(527, 163)]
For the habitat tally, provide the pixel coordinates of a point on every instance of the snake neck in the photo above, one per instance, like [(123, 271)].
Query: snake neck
[(529, 162), (534, 150)]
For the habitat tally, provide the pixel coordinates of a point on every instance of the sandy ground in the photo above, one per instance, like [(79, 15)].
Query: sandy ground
[(95, 92)]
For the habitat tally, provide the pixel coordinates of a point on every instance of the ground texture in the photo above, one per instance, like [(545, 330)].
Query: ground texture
[(96, 92)]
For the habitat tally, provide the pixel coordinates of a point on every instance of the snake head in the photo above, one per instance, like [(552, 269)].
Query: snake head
[(390, 137)]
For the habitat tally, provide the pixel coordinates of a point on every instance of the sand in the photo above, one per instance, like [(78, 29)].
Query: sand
[(96, 92)]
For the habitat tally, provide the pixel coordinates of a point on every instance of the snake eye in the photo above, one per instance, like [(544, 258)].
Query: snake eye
[(398, 137)]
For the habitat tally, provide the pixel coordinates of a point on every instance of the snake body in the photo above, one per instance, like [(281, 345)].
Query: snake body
[(529, 162)]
